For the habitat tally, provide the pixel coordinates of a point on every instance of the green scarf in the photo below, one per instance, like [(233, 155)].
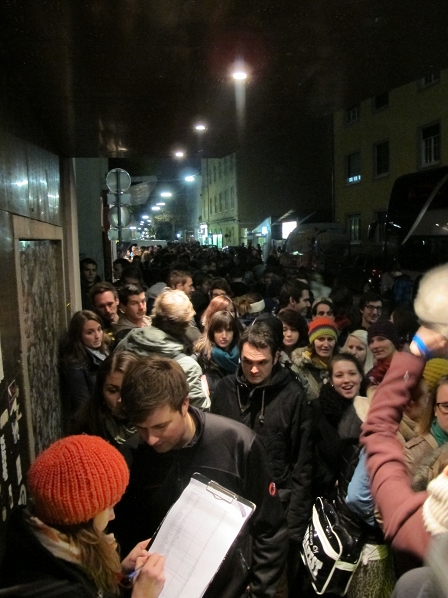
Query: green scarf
[(440, 435)]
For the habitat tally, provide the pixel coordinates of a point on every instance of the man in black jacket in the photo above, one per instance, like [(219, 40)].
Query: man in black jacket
[(176, 440), (267, 398)]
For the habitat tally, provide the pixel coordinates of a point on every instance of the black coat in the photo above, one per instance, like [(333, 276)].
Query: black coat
[(231, 455), (27, 561), (278, 412)]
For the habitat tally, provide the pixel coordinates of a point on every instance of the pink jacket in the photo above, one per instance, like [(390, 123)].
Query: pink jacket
[(400, 507)]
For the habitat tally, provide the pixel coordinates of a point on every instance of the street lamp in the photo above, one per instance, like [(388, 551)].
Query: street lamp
[(166, 194)]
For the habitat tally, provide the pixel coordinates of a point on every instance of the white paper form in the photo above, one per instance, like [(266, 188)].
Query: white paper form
[(196, 535)]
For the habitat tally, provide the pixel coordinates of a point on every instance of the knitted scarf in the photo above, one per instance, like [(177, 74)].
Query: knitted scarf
[(332, 404), (376, 374), (227, 360), (440, 435)]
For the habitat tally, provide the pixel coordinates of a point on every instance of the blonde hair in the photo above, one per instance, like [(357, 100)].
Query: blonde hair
[(361, 335)]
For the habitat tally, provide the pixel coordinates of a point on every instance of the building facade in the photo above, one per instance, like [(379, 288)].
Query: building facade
[(397, 132)]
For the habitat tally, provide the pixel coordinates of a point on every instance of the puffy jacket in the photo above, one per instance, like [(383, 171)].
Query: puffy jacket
[(232, 455), (279, 414), (154, 341)]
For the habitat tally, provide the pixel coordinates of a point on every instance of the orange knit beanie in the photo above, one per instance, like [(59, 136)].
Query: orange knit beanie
[(75, 479)]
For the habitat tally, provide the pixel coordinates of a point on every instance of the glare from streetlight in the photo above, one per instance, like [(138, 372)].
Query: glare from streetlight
[(145, 217), (166, 194), (155, 208), (189, 178), (160, 203), (200, 127), (239, 75), (179, 154)]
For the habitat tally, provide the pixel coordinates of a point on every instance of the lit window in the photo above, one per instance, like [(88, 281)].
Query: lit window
[(353, 168), (430, 145), (381, 158), (353, 114)]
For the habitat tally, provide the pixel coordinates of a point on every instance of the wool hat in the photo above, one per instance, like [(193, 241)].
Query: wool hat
[(322, 326), (75, 479), (434, 370), (384, 328), (431, 303), (435, 507)]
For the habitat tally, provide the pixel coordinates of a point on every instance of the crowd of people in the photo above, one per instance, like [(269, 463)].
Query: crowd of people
[(282, 390)]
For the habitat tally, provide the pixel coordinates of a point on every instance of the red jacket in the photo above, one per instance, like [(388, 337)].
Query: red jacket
[(400, 507)]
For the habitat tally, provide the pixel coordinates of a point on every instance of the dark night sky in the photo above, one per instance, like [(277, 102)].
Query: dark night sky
[(128, 78)]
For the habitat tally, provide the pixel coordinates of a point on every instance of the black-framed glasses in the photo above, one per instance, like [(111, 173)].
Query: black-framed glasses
[(378, 308), (443, 407)]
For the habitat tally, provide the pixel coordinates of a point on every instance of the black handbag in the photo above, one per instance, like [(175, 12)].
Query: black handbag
[(329, 552)]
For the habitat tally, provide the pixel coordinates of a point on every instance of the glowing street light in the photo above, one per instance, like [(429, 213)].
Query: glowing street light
[(189, 178), (179, 154), (160, 203), (145, 217), (155, 208), (239, 75), (166, 194), (200, 127)]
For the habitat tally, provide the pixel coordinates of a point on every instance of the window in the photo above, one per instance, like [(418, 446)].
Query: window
[(381, 101), (354, 228), (220, 202), (380, 231), (225, 166), (353, 114), (226, 200), (381, 158), (429, 80), (216, 204), (209, 170), (430, 144), (211, 206), (220, 169), (232, 198), (353, 168), (231, 163)]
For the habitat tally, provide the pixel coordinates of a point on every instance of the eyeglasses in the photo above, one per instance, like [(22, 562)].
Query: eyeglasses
[(379, 309), (443, 407)]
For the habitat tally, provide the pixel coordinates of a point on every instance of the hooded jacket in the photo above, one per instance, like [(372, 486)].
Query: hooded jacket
[(154, 341), (278, 412), (311, 372), (231, 455)]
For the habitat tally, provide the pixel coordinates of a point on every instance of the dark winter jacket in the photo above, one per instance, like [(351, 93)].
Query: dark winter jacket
[(231, 455), (77, 383), (278, 412), (27, 561)]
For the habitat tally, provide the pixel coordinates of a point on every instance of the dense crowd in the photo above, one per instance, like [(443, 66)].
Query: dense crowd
[(329, 413)]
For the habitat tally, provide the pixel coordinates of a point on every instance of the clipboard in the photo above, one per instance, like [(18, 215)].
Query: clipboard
[(196, 535)]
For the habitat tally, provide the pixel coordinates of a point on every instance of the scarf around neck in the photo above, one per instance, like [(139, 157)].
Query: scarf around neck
[(440, 435), (227, 360), (332, 404)]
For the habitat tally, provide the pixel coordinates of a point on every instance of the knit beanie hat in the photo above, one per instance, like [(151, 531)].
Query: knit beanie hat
[(431, 303), (75, 479), (435, 507), (434, 370), (322, 326), (384, 328)]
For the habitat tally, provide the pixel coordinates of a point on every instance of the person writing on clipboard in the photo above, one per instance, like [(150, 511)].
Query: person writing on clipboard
[(175, 441), (57, 545)]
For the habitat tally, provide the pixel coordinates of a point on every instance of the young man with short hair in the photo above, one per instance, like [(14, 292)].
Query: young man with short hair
[(182, 281), (268, 398), (104, 297), (175, 441), (370, 308), (132, 310), (295, 295)]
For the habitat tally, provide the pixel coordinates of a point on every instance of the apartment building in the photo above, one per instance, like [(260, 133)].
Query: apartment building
[(397, 132)]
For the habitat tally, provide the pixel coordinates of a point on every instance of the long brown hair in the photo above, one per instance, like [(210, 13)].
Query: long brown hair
[(73, 351), (88, 417), (219, 321), (98, 555)]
